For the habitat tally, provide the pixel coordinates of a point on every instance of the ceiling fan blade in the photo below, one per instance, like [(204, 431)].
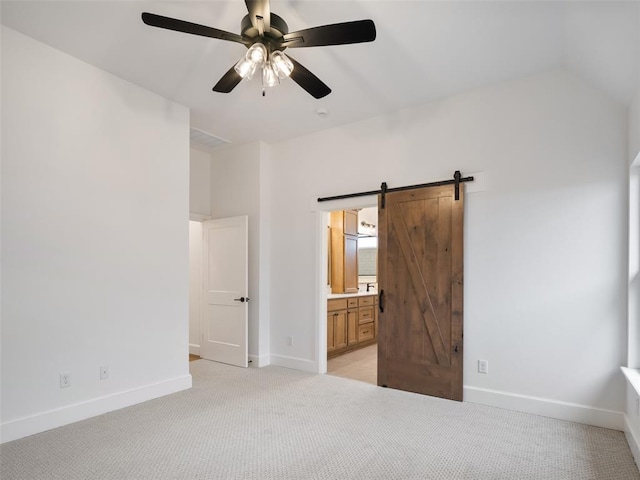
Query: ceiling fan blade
[(307, 80), (336, 34), (188, 27), (228, 81), (260, 14)]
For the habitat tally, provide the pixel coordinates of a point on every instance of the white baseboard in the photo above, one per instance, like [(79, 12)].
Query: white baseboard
[(546, 407), (294, 363), (194, 349), (260, 360), (41, 422)]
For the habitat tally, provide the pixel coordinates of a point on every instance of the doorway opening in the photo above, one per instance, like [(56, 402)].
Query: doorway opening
[(195, 286), (350, 293), (218, 290), (419, 305)]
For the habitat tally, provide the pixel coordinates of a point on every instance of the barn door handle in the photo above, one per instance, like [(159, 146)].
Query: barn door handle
[(380, 301), (241, 299)]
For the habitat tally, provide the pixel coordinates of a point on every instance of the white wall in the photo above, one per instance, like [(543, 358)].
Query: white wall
[(545, 271), (95, 177), (264, 273), (239, 181), (199, 182)]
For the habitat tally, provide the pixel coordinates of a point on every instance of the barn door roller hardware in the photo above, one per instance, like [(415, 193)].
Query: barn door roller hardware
[(457, 180)]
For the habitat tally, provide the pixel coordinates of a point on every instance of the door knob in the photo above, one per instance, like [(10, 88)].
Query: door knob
[(241, 299)]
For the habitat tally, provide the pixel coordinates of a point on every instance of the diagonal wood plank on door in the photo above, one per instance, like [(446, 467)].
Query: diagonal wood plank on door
[(418, 282)]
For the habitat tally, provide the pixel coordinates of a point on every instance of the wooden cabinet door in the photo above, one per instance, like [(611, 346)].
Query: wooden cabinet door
[(350, 264), (344, 251), (340, 329), (331, 342), (352, 326), (351, 222)]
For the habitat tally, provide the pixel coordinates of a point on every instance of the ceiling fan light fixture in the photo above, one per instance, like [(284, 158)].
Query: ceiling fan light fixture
[(281, 64), (266, 35), (245, 68), (269, 76), (257, 53)]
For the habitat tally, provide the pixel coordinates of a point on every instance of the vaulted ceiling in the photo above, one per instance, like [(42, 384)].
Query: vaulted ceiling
[(424, 50)]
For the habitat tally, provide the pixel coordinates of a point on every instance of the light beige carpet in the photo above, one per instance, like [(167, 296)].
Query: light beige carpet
[(274, 423)]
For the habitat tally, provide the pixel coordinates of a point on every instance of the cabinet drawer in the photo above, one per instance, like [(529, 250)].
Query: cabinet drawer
[(365, 315), (352, 302), (365, 332), (336, 304), (366, 301)]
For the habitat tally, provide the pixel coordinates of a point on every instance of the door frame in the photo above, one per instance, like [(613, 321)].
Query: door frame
[(322, 257), (195, 348), (321, 211)]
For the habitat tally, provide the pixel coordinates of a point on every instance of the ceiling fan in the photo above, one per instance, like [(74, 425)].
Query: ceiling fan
[(266, 36)]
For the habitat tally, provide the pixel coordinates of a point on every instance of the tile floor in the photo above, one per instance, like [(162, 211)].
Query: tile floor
[(359, 365)]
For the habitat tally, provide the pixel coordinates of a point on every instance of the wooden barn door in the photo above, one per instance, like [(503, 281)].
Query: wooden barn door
[(420, 282)]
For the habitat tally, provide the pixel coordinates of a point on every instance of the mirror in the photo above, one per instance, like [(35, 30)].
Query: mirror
[(367, 256), (367, 245)]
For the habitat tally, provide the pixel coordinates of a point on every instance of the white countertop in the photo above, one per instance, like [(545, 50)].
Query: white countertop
[(347, 295)]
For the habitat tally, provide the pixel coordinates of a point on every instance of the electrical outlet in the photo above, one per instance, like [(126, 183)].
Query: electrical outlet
[(290, 341), (104, 373), (483, 366), (65, 380)]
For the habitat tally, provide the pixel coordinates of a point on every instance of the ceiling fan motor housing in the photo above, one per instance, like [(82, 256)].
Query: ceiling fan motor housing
[(273, 37)]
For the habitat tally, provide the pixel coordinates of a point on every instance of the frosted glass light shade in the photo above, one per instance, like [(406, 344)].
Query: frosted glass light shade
[(245, 68), (282, 65), (257, 54), (269, 77)]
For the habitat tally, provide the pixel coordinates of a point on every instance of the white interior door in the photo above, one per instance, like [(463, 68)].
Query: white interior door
[(225, 309)]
